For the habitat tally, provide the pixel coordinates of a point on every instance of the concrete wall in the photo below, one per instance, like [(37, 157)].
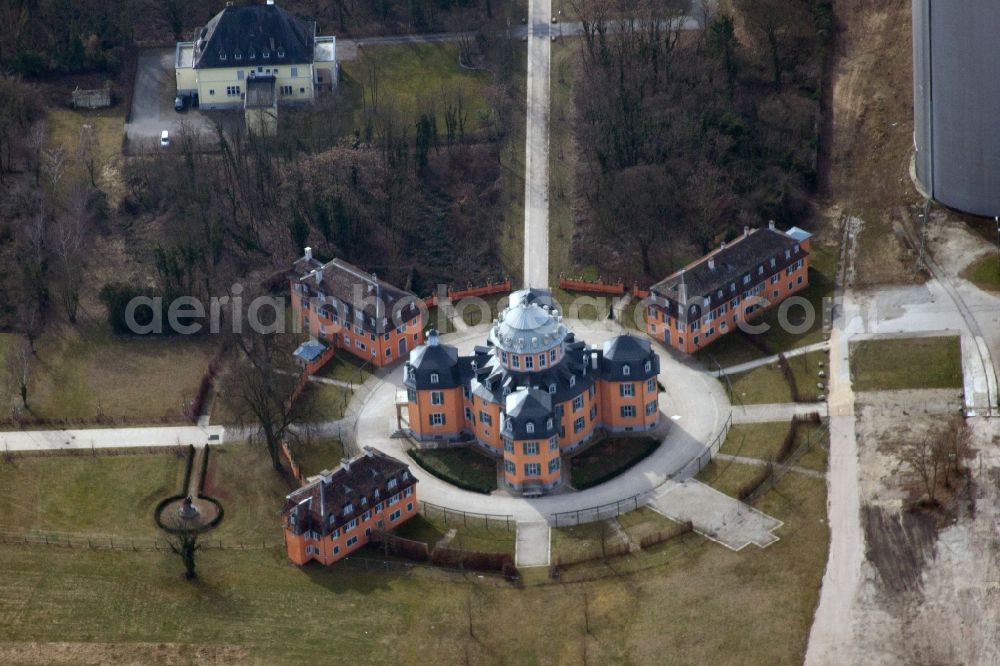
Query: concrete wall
[(957, 102)]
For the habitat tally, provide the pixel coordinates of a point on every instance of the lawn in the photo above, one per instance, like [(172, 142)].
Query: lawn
[(984, 273), (460, 466), (325, 402), (86, 372), (415, 78), (88, 495), (692, 599), (907, 363), (728, 477), (562, 161), (108, 125), (473, 536), (241, 477), (763, 441), (315, 455), (609, 458), (767, 384), (346, 368), (582, 541)]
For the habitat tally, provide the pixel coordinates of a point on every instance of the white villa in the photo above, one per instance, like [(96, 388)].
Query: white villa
[(241, 44)]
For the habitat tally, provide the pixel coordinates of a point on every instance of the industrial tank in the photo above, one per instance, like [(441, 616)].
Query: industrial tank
[(956, 102)]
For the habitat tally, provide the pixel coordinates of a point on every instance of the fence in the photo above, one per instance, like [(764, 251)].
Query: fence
[(696, 465), (490, 521), (779, 470), (600, 512), (457, 294), (592, 286), (121, 543)]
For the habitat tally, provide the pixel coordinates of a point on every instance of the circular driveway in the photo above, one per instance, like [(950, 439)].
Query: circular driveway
[(693, 409)]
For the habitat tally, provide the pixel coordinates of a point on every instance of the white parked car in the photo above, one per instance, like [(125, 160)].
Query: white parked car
[(164, 139)]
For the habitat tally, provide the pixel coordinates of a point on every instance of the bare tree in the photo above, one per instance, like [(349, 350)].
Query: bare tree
[(20, 367), (183, 541), (54, 166), (68, 238)]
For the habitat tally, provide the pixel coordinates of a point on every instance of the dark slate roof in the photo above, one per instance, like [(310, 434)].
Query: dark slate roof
[(526, 406), (442, 360), (312, 506), (625, 348), (731, 263), (260, 93), (251, 31), (344, 281)]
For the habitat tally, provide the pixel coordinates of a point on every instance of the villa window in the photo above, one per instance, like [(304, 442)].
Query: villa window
[(351, 525), (628, 411), (435, 378), (593, 412), (651, 385), (578, 425), (390, 484), (509, 467), (649, 366), (529, 362), (532, 469), (553, 444), (541, 360), (531, 448), (508, 445), (552, 356), (516, 360), (503, 356), (651, 408), (437, 419), (572, 380), (577, 403), (626, 370), (295, 72), (552, 388), (530, 427), (353, 540), (626, 390), (485, 418), (437, 397), (553, 465), (466, 393), (349, 509), (548, 424)]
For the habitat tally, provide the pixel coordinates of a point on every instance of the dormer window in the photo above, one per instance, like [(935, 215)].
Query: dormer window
[(626, 370), (435, 378), (266, 53), (349, 509), (552, 388), (252, 54), (649, 366), (572, 380), (548, 424), (222, 55), (530, 428), (391, 484), (405, 475), (364, 501), (238, 55), (281, 52)]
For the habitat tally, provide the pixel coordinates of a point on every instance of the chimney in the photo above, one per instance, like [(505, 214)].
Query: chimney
[(369, 452), (682, 291), (770, 225), (309, 254), (711, 263), (432, 338), (270, 2), (723, 245), (346, 463), (319, 276), (746, 231)]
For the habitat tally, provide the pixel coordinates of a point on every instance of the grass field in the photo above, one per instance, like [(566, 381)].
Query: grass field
[(315, 455), (689, 598), (414, 79), (473, 537), (767, 384), (86, 372), (90, 495), (763, 441), (108, 125), (562, 162), (345, 367), (984, 273), (608, 458), (906, 363), (462, 466)]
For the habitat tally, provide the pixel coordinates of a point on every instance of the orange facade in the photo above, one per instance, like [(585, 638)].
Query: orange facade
[(342, 541), (628, 406), (379, 349), (767, 282), (532, 461)]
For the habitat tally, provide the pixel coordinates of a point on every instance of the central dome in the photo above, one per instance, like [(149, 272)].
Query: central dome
[(528, 327)]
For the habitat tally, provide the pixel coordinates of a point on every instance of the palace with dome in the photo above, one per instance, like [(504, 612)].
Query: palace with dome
[(533, 392)]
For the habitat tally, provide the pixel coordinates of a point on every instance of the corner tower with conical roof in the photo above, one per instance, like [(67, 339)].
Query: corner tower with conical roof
[(533, 393)]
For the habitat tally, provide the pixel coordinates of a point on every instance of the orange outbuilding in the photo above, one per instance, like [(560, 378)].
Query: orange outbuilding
[(337, 512)]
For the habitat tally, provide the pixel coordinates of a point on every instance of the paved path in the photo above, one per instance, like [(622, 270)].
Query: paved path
[(109, 438), (776, 412), (715, 515), (750, 365), (536, 146), (832, 624), (533, 544), (693, 409), (743, 460)]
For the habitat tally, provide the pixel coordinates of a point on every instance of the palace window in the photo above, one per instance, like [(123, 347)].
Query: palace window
[(437, 419), (628, 411), (626, 390), (626, 370), (529, 427), (531, 448), (532, 469), (435, 378), (577, 403), (578, 425), (553, 465), (437, 397)]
